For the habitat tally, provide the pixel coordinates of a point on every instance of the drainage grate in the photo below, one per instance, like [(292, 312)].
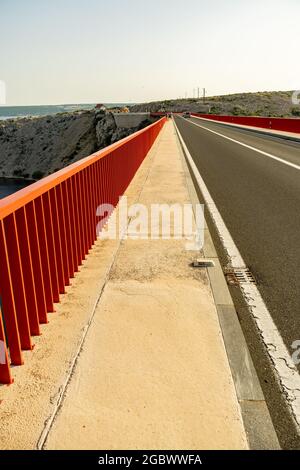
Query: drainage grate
[(237, 276)]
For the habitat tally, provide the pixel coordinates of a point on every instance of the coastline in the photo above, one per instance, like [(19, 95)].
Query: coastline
[(11, 185), (37, 111), (17, 178)]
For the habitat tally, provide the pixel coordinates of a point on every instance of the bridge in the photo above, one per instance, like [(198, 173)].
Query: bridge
[(143, 348)]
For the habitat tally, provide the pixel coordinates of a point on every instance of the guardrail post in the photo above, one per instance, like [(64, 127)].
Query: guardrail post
[(17, 280), (36, 262), (28, 278), (51, 246), (8, 303), (5, 375), (63, 236), (44, 253)]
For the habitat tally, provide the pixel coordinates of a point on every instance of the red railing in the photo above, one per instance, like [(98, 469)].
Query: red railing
[(46, 231), (278, 124)]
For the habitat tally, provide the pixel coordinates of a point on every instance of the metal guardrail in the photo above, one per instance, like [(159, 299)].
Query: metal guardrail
[(46, 231), (274, 123)]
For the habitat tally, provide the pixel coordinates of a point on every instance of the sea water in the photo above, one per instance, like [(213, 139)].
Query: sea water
[(12, 112)]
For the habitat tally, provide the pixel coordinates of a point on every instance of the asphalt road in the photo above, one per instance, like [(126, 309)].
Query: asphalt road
[(259, 200)]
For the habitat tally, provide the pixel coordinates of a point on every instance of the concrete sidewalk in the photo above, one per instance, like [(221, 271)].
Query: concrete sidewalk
[(153, 371)]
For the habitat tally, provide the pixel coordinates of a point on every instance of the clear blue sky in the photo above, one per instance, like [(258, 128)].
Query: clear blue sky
[(70, 51)]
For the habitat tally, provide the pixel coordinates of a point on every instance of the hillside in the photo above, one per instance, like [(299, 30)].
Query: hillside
[(35, 147), (274, 103)]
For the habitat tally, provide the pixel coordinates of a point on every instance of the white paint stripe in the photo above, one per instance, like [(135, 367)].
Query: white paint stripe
[(281, 160), (286, 370)]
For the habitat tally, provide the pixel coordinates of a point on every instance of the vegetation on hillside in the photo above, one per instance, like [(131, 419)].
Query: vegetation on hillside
[(266, 103)]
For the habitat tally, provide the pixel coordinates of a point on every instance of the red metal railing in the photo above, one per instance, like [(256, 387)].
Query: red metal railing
[(46, 231), (275, 123), (278, 124)]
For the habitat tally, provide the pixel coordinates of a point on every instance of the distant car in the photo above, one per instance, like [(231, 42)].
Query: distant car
[(186, 115)]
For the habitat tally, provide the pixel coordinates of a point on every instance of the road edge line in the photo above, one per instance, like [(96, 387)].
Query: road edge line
[(249, 147)]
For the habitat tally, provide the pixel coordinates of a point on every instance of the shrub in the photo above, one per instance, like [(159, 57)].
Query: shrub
[(37, 175), (238, 111), (18, 172), (296, 111)]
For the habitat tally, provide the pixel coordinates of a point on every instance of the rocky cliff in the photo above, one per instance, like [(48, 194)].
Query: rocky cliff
[(36, 147)]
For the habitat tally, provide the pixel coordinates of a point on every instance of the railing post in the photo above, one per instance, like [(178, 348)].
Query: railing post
[(44, 253), (63, 236), (17, 280), (5, 375), (36, 262), (28, 277), (8, 303), (51, 246)]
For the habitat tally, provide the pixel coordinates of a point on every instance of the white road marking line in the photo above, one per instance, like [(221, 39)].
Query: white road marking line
[(281, 160), (287, 373)]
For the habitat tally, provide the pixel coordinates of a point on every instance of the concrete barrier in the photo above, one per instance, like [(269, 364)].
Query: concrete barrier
[(128, 120)]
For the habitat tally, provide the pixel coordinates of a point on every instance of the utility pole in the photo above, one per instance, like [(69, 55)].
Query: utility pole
[(204, 91), (198, 92)]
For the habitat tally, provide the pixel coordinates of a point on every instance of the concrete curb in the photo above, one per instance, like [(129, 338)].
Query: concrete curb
[(258, 424)]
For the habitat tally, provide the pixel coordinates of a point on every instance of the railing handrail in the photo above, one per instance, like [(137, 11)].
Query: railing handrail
[(15, 201)]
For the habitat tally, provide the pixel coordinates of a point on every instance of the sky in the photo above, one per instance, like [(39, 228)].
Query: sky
[(119, 51)]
